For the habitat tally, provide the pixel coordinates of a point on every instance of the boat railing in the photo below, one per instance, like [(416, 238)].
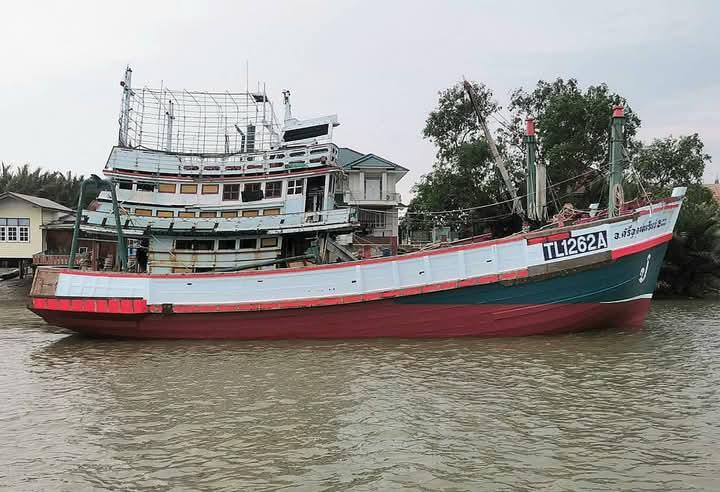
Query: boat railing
[(269, 162)]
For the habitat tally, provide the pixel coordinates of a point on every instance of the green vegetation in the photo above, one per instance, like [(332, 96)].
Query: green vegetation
[(573, 141), (53, 185)]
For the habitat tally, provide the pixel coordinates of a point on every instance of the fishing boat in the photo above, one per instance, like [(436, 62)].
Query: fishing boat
[(589, 270)]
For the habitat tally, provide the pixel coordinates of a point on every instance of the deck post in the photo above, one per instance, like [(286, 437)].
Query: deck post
[(76, 227), (122, 254), (617, 159), (530, 161)]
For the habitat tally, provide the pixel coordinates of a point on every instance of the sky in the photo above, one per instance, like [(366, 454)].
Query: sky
[(377, 64)]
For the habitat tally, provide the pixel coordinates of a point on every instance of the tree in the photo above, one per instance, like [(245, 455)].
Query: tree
[(572, 133), (454, 122), (668, 162), (61, 188), (464, 174)]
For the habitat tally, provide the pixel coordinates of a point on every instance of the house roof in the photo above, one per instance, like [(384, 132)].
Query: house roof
[(36, 200), (352, 159)]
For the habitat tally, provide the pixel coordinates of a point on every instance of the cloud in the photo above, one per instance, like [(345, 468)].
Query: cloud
[(378, 65)]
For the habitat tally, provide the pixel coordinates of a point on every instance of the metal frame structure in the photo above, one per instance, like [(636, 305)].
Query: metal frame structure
[(196, 123)]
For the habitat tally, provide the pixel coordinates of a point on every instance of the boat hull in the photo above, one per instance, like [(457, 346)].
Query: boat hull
[(616, 293)]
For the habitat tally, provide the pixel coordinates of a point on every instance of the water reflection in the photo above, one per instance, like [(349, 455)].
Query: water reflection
[(601, 410)]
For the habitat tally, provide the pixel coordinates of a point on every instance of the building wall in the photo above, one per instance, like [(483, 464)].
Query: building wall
[(10, 208), (355, 183)]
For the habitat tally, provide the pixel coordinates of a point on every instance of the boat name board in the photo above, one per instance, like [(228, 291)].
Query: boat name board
[(576, 245), (631, 230)]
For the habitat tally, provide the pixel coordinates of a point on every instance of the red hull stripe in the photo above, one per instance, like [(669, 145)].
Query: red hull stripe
[(552, 237), (636, 248), (660, 209), (91, 305)]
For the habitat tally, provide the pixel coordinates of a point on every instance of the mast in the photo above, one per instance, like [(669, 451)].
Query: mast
[(615, 199), (530, 161), (499, 161), (125, 115)]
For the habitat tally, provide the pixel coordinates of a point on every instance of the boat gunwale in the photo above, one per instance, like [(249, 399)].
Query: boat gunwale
[(511, 276)]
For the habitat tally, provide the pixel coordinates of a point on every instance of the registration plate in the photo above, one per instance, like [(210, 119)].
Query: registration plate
[(576, 245)]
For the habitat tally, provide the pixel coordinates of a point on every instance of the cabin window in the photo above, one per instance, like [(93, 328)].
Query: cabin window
[(248, 243), (250, 213), (307, 132), (190, 215), (231, 192), (145, 212), (24, 234), (273, 189), (271, 211), (295, 187), (229, 214), (2, 231), (183, 244), (207, 215), (195, 244), (188, 189), (146, 187), (167, 188), (269, 242), (226, 244), (210, 189), (252, 192), (125, 185), (165, 213)]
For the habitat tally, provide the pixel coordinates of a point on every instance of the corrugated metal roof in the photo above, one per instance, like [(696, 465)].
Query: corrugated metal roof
[(37, 201)]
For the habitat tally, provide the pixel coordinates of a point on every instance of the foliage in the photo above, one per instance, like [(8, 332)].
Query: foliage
[(692, 263), (464, 174), (454, 123), (572, 132), (573, 126), (61, 188), (668, 162), (467, 181)]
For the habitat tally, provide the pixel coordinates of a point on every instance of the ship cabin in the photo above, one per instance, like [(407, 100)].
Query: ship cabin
[(194, 196)]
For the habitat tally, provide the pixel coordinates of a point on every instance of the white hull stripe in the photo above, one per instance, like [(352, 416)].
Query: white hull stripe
[(641, 296)]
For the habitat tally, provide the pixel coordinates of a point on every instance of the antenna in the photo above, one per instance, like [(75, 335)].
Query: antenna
[(288, 106), (125, 114)]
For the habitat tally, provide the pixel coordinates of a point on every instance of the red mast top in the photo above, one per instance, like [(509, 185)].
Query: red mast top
[(530, 126), (618, 111)]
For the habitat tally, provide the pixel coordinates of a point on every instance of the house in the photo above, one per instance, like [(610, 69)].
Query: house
[(715, 188), (369, 183), (22, 218)]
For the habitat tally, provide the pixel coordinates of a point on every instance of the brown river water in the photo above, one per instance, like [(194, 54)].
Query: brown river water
[(607, 410)]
